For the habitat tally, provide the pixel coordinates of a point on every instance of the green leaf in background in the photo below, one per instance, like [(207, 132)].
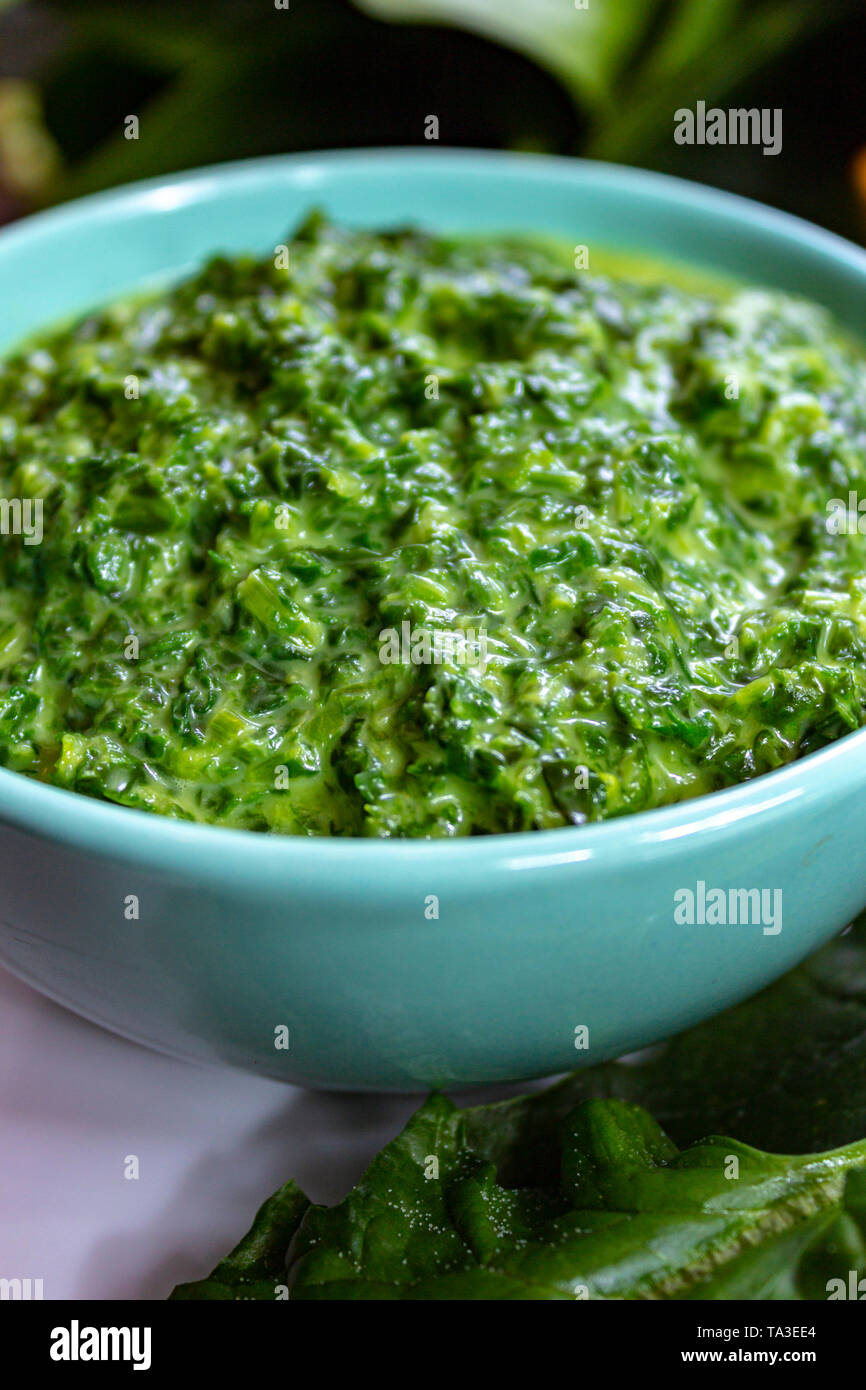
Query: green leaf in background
[(628, 1216), (631, 63), (585, 48), (223, 79), (214, 68), (703, 52)]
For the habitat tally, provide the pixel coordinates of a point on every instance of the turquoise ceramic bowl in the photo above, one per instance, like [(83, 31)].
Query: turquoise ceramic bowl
[(539, 936)]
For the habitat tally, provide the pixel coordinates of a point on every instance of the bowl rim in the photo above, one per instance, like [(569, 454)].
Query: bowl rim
[(108, 829)]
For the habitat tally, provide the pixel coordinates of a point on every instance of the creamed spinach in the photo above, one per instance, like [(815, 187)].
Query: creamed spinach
[(263, 490)]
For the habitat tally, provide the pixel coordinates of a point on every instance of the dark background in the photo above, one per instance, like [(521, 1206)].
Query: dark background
[(223, 79)]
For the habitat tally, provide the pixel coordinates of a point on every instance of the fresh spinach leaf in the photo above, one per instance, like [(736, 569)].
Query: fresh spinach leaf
[(627, 1216)]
